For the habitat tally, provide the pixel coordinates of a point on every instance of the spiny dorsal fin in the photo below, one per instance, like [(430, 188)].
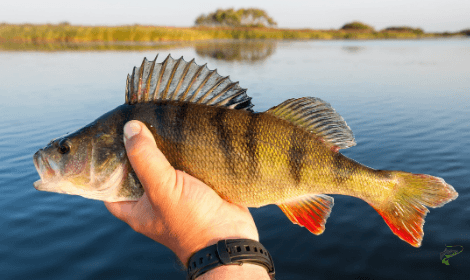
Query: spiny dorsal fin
[(317, 117), (178, 80)]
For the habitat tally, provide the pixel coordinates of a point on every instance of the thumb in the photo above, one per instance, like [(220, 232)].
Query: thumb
[(155, 173)]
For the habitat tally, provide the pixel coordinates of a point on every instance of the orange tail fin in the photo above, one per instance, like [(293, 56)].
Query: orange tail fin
[(405, 210)]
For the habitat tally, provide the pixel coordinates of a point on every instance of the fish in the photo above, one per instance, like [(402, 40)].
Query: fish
[(447, 254), (205, 125)]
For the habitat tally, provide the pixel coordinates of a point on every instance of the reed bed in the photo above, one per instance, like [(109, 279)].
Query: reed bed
[(59, 36)]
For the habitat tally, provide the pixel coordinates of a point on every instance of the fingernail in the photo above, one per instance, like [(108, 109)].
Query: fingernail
[(131, 128)]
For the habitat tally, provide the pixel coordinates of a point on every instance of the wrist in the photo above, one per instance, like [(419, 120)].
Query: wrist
[(229, 253), (244, 271), (186, 251), (188, 245)]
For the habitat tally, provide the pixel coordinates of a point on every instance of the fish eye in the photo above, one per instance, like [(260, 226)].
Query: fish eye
[(64, 146)]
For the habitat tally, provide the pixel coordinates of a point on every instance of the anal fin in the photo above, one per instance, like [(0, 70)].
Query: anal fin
[(309, 211)]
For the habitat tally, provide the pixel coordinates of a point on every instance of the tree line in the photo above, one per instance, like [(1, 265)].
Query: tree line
[(239, 18), (259, 18)]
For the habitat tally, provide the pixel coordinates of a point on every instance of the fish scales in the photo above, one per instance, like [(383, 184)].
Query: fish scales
[(257, 151), (204, 125)]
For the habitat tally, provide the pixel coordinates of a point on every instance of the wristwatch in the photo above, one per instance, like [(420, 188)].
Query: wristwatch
[(229, 252)]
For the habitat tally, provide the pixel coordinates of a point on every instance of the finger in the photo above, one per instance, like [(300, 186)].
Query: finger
[(153, 169)]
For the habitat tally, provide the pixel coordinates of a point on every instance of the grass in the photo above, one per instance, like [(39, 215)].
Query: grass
[(65, 36)]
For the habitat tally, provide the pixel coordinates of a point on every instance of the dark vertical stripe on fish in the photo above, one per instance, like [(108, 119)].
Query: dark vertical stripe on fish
[(157, 115), (224, 136), (167, 120), (296, 154), (180, 118), (252, 144), (342, 168), (169, 133), (179, 130)]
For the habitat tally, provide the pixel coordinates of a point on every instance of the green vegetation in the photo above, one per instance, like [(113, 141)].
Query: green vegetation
[(465, 32), (239, 18), (74, 34), (356, 25), (137, 37), (417, 31), (93, 46)]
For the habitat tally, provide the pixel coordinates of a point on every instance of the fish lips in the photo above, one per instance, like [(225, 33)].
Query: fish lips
[(44, 169)]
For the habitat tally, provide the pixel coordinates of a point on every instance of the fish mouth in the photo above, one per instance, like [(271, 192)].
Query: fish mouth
[(37, 184), (43, 168)]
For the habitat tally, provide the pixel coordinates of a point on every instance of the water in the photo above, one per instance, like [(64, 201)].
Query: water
[(407, 103)]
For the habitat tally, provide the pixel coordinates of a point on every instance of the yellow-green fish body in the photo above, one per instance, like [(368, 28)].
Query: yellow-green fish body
[(204, 125), (259, 158)]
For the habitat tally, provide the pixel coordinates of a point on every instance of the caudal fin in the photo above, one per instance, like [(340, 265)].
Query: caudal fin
[(405, 209)]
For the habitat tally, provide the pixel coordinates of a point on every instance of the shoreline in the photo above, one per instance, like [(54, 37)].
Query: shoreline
[(63, 37)]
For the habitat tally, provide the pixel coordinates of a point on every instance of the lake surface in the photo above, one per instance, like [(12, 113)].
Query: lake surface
[(407, 102)]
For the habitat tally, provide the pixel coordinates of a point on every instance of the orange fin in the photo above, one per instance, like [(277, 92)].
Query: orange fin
[(309, 211), (405, 210)]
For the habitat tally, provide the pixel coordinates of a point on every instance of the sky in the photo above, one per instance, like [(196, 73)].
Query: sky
[(430, 15)]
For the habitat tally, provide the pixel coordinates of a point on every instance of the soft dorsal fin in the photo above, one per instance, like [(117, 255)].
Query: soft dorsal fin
[(317, 117), (178, 80)]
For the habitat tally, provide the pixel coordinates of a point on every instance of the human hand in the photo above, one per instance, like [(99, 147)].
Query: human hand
[(176, 210)]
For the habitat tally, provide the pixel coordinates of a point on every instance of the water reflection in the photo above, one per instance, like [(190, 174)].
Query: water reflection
[(251, 51), (353, 49), (382, 93)]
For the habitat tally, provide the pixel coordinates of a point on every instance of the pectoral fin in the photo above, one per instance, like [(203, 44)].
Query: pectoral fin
[(309, 211)]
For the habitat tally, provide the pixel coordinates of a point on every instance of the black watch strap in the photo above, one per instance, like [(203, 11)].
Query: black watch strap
[(231, 251)]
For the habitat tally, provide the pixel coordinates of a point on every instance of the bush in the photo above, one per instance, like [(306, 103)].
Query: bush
[(356, 25), (465, 32), (417, 31), (238, 18)]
